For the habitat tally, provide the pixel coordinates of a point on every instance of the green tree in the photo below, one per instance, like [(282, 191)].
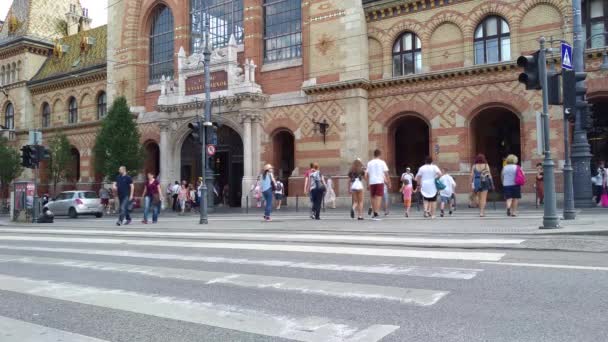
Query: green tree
[(59, 165), (10, 167), (118, 143)]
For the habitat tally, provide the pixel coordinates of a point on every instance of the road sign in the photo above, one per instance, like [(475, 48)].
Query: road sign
[(210, 150), (566, 56)]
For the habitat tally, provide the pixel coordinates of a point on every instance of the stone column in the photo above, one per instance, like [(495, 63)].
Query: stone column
[(251, 151), (165, 155)]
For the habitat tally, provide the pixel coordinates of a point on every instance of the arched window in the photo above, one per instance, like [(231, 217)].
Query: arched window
[(102, 105), (595, 19), (492, 41), (407, 55), (225, 19), (9, 116), (46, 115), (72, 111), (161, 44)]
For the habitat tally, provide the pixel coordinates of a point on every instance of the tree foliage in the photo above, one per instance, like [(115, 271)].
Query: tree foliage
[(118, 143), (10, 167), (59, 165)]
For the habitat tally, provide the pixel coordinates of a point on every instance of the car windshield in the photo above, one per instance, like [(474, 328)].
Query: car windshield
[(88, 195)]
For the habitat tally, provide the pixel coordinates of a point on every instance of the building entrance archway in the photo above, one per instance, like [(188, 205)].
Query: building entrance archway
[(152, 160), (226, 165), (283, 148), (411, 138), (598, 133), (496, 133)]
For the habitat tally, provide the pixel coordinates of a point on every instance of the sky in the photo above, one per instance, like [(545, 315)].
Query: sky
[(97, 10)]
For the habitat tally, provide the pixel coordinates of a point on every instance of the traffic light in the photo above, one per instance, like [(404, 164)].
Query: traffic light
[(26, 158), (553, 88), (43, 153), (580, 90), (569, 94), (34, 155), (530, 77), (196, 131)]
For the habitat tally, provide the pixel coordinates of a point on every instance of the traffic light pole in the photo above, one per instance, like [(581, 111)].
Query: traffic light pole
[(581, 150), (204, 210), (550, 218), (568, 107)]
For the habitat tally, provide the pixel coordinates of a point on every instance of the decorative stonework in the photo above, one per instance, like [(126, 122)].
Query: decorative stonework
[(325, 43)]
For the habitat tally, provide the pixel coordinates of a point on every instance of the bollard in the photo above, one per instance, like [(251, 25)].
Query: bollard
[(297, 203)]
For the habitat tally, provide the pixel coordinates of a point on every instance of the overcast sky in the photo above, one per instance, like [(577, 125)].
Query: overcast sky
[(97, 10)]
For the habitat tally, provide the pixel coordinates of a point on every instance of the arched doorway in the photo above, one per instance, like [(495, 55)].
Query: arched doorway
[(411, 138), (598, 133), (495, 132), (226, 165), (283, 147), (73, 174), (152, 159)]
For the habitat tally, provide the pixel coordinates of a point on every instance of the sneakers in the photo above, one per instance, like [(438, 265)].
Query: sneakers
[(376, 217), (352, 213), (442, 213), (509, 212), (369, 212), (450, 213), (144, 221), (118, 223), (128, 222)]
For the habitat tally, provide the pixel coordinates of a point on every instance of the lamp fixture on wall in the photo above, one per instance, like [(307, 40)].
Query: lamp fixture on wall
[(321, 127)]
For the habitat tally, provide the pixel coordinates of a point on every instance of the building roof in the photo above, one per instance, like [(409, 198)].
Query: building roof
[(76, 60)]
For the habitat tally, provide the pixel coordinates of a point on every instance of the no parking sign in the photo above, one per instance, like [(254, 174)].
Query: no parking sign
[(210, 150)]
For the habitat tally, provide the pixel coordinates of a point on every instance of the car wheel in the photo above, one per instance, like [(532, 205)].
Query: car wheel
[(98, 215), (72, 213)]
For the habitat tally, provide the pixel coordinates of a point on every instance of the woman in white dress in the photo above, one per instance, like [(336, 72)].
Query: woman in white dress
[(330, 196), (426, 177)]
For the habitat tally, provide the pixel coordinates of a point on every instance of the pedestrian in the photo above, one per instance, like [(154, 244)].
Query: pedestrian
[(539, 185), (192, 197), (447, 194), (268, 184), (318, 186), (481, 182), (408, 175), (152, 198), (104, 197), (307, 187), (598, 182), (182, 197), (376, 175), (512, 182), (174, 193), (427, 178), (256, 191), (331, 194), (385, 199), (124, 188), (279, 193), (356, 176), (407, 189)]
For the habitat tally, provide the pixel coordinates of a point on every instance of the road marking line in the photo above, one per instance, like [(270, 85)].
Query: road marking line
[(573, 267), (12, 330), (272, 236), (389, 269), (420, 297), (400, 253), (313, 329)]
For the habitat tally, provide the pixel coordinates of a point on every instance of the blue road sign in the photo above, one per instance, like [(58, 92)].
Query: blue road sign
[(566, 56)]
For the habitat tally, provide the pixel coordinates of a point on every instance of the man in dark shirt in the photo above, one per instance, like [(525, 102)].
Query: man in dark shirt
[(124, 189)]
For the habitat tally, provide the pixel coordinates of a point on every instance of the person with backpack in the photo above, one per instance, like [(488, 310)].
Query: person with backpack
[(447, 193), (481, 182), (267, 185), (317, 190), (428, 184), (279, 193), (513, 179), (356, 177)]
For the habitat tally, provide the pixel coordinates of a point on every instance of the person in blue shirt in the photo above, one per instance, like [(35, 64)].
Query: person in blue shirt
[(124, 189), (268, 186)]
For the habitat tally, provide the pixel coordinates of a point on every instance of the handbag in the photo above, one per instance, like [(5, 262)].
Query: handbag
[(520, 178), (357, 185), (156, 199), (439, 184)]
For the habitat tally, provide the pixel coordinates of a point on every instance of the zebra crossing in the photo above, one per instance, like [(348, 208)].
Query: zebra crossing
[(259, 265)]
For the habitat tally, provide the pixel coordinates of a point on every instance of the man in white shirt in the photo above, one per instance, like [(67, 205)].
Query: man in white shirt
[(376, 175), (447, 193)]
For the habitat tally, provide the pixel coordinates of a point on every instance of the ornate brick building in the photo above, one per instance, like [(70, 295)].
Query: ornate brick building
[(411, 77)]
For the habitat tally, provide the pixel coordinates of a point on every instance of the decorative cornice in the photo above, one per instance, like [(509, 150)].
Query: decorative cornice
[(343, 85), (378, 10), (98, 73), (67, 127), (228, 101)]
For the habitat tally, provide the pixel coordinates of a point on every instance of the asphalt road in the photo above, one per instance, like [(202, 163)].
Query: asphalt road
[(83, 281)]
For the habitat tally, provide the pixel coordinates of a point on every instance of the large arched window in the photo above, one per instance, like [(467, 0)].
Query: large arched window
[(407, 55), (225, 19), (595, 19), (46, 115), (492, 41), (72, 111), (102, 105), (9, 116), (161, 44)]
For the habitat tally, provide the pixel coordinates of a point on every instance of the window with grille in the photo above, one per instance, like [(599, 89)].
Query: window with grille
[(492, 41), (407, 55), (596, 23), (282, 30), (72, 111), (46, 115), (161, 44), (102, 105), (225, 19)]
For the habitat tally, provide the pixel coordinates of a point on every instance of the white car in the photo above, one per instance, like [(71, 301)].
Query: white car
[(74, 203)]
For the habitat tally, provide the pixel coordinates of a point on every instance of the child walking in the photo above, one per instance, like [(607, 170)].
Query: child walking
[(407, 189)]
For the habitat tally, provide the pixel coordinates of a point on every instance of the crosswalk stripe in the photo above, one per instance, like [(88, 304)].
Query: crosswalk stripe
[(12, 330), (402, 253), (272, 236), (570, 267), (314, 329), (389, 269), (421, 297)]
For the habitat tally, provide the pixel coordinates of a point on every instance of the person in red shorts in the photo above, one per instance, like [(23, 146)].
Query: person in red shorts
[(376, 175)]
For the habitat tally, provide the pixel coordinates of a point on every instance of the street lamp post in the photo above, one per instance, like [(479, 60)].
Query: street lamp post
[(204, 210)]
